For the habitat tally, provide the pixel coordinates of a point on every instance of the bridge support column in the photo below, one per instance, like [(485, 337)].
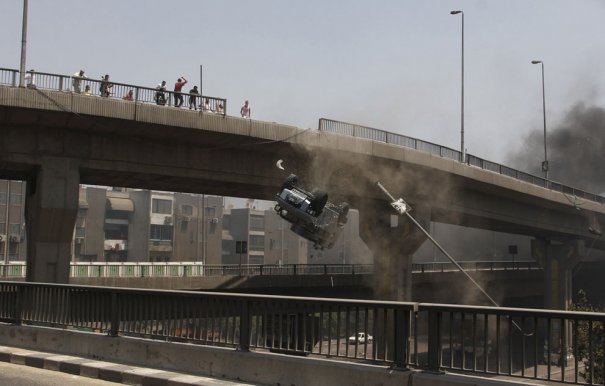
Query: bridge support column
[(392, 244), (51, 210), (558, 261)]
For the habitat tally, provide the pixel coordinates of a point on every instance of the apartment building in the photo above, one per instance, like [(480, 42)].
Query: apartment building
[(142, 225)]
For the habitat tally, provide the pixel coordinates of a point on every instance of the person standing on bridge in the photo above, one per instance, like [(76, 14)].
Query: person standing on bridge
[(160, 98), (193, 95), (30, 79), (246, 111), (76, 81), (105, 86), (178, 86)]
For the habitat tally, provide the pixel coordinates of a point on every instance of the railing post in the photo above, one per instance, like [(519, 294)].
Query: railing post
[(244, 326), (261, 269), (114, 316), (402, 328), (325, 269), (294, 269), (19, 295), (434, 341), (14, 81)]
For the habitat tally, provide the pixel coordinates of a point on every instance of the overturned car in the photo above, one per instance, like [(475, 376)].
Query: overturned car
[(310, 213)]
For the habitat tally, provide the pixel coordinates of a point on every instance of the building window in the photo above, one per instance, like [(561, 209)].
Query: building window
[(210, 212), (80, 232), (16, 199), (186, 210), (115, 232), (257, 223), (2, 228), (14, 229), (257, 243), (161, 206), (160, 232), (2, 198)]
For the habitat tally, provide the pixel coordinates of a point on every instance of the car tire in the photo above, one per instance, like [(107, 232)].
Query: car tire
[(320, 199), (290, 182)]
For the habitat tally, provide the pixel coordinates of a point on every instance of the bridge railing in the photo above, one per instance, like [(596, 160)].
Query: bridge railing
[(537, 344), (140, 94), (496, 265), (17, 269), (446, 152)]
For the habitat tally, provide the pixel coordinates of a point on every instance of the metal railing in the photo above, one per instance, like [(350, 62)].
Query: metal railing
[(536, 344), (92, 87), (17, 269), (446, 152)]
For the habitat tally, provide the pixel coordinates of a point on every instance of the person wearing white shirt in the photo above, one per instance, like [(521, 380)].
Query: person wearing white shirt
[(246, 110), (30, 79), (76, 80)]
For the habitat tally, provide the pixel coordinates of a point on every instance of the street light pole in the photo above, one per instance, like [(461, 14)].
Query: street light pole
[(545, 163), (23, 45), (462, 152)]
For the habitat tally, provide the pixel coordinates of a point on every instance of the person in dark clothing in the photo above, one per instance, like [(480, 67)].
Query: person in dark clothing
[(193, 95)]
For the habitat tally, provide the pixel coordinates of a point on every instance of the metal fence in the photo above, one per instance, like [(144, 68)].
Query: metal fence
[(198, 269), (446, 152), (127, 92), (537, 344)]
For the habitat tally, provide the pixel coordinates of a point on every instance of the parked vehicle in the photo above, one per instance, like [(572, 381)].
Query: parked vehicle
[(361, 338)]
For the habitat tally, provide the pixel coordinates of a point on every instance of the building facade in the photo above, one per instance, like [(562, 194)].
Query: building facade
[(141, 225)]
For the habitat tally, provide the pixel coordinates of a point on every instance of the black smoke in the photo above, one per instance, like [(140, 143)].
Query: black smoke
[(576, 150)]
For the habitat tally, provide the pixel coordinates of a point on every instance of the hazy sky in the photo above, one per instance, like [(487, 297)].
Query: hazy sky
[(393, 65)]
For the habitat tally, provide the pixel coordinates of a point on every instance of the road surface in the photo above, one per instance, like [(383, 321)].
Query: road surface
[(19, 375)]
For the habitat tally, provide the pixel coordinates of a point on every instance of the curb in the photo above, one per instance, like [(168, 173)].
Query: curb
[(107, 371)]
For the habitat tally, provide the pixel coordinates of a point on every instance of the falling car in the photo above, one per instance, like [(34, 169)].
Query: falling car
[(310, 213)]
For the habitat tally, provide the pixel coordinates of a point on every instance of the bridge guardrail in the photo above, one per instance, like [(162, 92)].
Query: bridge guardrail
[(446, 152), (537, 344), (140, 94), (198, 269)]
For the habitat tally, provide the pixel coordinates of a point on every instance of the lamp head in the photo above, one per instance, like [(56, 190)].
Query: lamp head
[(536, 61), (455, 12)]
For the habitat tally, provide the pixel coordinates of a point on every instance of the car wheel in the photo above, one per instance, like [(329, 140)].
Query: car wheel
[(290, 182), (320, 199)]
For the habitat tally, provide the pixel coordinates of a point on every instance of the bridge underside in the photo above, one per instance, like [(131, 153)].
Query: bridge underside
[(57, 140)]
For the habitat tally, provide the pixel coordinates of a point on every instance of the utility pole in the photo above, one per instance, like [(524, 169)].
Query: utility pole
[(23, 45)]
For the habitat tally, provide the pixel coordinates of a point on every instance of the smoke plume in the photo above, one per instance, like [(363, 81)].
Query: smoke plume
[(576, 150)]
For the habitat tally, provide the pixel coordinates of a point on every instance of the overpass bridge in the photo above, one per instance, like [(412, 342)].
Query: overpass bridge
[(55, 140)]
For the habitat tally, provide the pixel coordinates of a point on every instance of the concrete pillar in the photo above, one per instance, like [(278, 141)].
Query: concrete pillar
[(392, 240), (51, 209), (558, 261)]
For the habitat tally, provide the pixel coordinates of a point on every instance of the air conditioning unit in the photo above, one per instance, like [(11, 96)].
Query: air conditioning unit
[(2, 238), (214, 220), (14, 239), (168, 220), (79, 240), (186, 218)]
